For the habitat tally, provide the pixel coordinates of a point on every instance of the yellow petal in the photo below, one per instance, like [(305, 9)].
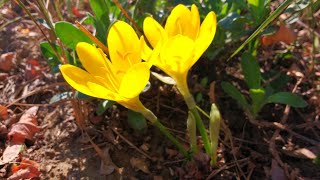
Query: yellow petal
[(179, 20), (153, 31), (85, 83), (177, 54), (91, 58), (195, 20), (146, 51), (124, 46), (206, 34), (135, 80)]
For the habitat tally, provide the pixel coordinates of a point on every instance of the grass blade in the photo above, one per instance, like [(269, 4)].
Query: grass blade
[(272, 16)]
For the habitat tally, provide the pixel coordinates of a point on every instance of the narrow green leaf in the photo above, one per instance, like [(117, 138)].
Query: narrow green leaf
[(101, 20), (136, 121), (251, 71), (264, 24), (258, 100), (49, 53), (287, 98), (70, 35), (235, 94)]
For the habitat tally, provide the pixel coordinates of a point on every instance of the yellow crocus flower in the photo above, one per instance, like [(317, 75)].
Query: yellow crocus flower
[(121, 79), (178, 45)]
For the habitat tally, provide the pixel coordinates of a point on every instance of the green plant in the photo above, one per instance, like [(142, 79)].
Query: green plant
[(259, 95)]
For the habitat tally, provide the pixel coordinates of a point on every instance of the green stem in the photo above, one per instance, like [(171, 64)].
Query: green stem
[(154, 120), (188, 98)]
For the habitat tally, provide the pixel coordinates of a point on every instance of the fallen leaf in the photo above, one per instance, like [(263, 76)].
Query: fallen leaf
[(3, 76), (75, 11), (6, 61), (277, 172), (106, 169), (3, 113), (139, 164), (32, 69), (11, 152), (284, 34), (27, 169), (25, 128)]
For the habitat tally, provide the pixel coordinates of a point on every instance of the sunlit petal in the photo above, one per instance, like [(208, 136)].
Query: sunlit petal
[(195, 21), (206, 34), (153, 31), (124, 46), (91, 58), (177, 52), (135, 80), (85, 82), (146, 51), (178, 22)]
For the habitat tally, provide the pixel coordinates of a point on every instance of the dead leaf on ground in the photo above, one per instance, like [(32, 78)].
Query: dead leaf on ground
[(140, 164), (277, 172), (11, 152), (107, 168), (3, 76), (302, 153), (3, 113), (284, 34), (26, 127), (6, 61), (27, 169)]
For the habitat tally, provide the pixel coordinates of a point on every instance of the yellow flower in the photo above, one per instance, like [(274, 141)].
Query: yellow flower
[(178, 45), (122, 79)]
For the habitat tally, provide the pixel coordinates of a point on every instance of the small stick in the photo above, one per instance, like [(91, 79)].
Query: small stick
[(94, 39), (132, 145), (124, 12)]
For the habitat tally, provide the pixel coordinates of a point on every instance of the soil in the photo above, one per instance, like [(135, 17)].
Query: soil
[(105, 146)]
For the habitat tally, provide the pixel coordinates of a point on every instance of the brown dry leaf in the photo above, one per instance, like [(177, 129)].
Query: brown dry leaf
[(140, 164), (3, 113), (11, 153), (6, 61), (108, 167), (277, 172), (284, 34), (3, 76), (26, 127), (171, 153), (295, 71), (303, 153), (28, 171)]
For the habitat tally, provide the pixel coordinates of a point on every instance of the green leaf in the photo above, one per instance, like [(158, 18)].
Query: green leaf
[(258, 100), (101, 11), (103, 106), (258, 9), (251, 71), (235, 94), (59, 97), (70, 35), (287, 98), (136, 121), (264, 24), (49, 53)]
